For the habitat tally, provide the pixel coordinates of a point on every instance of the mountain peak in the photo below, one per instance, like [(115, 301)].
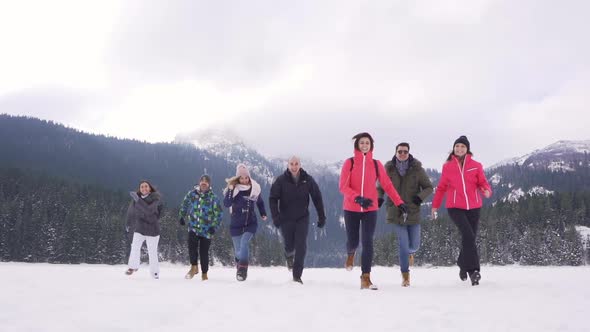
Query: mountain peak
[(211, 138), (555, 156)]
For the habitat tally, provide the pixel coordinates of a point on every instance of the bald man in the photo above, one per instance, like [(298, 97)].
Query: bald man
[(289, 205)]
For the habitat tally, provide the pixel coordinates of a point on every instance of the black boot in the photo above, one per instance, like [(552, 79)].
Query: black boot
[(475, 277), (242, 272), (463, 274), (290, 262), (298, 279)]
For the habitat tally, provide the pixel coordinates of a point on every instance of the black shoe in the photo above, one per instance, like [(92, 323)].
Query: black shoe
[(475, 277), (298, 279), (463, 275), (290, 263), (242, 273)]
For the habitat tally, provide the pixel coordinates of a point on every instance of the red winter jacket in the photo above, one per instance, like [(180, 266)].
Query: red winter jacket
[(462, 184), (361, 181)]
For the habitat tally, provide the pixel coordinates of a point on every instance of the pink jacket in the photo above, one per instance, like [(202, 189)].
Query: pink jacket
[(462, 184), (361, 181)]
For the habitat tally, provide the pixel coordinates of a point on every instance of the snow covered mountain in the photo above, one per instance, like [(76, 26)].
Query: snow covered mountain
[(561, 166), (225, 143), (561, 156)]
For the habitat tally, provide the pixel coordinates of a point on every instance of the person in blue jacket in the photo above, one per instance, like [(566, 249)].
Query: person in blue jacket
[(201, 208), (241, 196)]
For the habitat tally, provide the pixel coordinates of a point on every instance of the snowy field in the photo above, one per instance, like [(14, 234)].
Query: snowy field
[(45, 297)]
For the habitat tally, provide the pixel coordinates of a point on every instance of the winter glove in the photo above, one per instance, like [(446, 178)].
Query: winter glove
[(321, 222), (380, 202), (363, 202), (211, 231), (276, 221), (403, 208), (417, 200), (181, 221)]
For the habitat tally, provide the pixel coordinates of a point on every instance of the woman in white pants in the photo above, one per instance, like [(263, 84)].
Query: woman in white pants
[(143, 219)]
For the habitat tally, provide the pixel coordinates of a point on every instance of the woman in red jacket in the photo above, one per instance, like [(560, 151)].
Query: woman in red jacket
[(463, 179), (358, 185)]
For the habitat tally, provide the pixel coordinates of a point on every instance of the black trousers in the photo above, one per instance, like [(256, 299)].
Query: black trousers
[(467, 221), (295, 238), (198, 245), (354, 222)]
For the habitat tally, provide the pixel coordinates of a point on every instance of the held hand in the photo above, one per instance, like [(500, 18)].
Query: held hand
[(434, 214), (417, 200), (403, 208), (276, 221), (181, 221), (263, 218), (230, 187), (487, 193), (321, 223)]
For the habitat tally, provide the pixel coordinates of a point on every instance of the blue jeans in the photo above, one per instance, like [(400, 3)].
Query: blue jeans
[(408, 237), (354, 222), (242, 247)]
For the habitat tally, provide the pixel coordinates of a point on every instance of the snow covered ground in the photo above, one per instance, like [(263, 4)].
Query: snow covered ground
[(45, 297)]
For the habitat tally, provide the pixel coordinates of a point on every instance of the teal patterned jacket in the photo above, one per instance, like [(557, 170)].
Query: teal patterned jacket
[(202, 211)]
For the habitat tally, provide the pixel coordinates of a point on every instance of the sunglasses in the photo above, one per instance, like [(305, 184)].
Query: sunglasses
[(403, 151)]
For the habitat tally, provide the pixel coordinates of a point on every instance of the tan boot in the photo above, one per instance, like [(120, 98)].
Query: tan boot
[(411, 259), (366, 282), (191, 273), (405, 279), (204, 276), (349, 262)]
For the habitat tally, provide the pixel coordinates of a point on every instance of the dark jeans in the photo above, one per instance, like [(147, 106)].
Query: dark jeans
[(295, 238), (354, 221), (467, 222), (199, 245)]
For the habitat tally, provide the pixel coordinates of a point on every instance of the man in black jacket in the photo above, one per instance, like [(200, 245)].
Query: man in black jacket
[(289, 205)]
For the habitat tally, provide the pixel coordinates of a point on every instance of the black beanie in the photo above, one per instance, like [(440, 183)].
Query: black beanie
[(463, 140), (205, 178)]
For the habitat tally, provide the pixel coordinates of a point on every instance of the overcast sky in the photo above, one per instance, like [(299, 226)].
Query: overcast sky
[(302, 77)]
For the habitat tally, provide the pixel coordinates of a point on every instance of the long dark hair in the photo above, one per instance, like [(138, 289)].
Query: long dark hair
[(358, 137)]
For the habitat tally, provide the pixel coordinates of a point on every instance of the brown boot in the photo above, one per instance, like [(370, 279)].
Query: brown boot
[(366, 282), (405, 279), (411, 259), (349, 262), (191, 273), (204, 276), (130, 271)]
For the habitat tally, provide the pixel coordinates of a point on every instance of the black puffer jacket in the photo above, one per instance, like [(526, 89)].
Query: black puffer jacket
[(289, 201)]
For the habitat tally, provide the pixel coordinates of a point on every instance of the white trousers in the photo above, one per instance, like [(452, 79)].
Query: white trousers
[(152, 246)]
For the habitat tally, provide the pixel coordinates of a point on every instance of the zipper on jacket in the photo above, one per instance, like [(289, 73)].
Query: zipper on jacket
[(363, 180), (461, 171)]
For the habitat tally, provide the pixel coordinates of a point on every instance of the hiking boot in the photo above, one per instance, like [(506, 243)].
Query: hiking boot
[(191, 273), (349, 262), (405, 279), (290, 262), (475, 277), (242, 272), (130, 271), (411, 259), (204, 276), (463, 275), (366, 282), (298, 279)]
